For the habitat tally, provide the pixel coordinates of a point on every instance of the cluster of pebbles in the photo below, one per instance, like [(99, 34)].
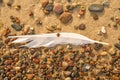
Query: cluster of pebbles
[(88, 62), (62, 62)]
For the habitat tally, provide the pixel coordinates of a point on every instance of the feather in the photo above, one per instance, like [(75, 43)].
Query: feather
[(51, 39)]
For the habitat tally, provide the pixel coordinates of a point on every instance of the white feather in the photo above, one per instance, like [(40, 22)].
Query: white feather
[(51, 39)]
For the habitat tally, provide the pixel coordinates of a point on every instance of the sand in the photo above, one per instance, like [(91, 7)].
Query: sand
[(92, 26)]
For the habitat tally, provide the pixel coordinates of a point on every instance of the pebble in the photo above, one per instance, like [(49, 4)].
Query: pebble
[(117, 45), (96, 8), (68, 78), (80, 26), (67, 73), (58, 8), (49, 7), (106, 3), (103, 30), (65, 17), (64, 65), (112, 51), (10, 3), (5, 31), (95, 17), (30, 76), (17, 7), (98, 46), (16, 26), (103, 53), (44, 4)]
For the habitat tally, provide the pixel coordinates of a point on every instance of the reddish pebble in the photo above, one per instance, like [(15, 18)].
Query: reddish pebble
[(36, 60), (58, 8)]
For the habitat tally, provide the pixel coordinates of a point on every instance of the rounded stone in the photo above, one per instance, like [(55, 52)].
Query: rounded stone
[(81, 27), (65, 17), (68, 78), (64, 65), (44, 4), (49, 7), (96, 8), (16, 26), (58, 8), (103, 53)]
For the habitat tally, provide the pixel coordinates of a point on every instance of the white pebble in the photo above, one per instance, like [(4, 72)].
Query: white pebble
[(103, 30)]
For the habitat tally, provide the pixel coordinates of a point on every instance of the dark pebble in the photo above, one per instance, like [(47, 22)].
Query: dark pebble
[(16, 26), (10, 2), (117, 45), (95, 17), (82, 26), (96, 8), (49, 7), (1, 1), (97, 46)]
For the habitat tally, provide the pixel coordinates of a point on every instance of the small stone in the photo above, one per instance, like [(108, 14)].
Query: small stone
[(103, 53), (95, 17), (58, 8), (103, 30), (30, 76), (64, 65), (67, 73), (17, 68), (36, 60), (69, 7), (82, 27), (45, 3), (98, 46), (17, 7), (68, 78), (10, 2), (106, 3), (16, 26), (87, 66), (117, 45), (96, 8), (81, 12), (49, 7), (112, 51), (65, 17), (5, 31), (31, 14), (119, 37)]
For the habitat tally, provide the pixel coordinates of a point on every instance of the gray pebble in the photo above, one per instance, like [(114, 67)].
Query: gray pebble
[(49, 7), (117, 45), (96, 8), (16, 26)]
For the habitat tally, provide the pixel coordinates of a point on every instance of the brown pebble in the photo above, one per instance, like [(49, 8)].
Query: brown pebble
[(5, 31), (30, 76), (36, 60), (31, 14), (82, 26), (65, 17), (44, 4), (95, 17), (58, 8), (64, 65), (119, 37)]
